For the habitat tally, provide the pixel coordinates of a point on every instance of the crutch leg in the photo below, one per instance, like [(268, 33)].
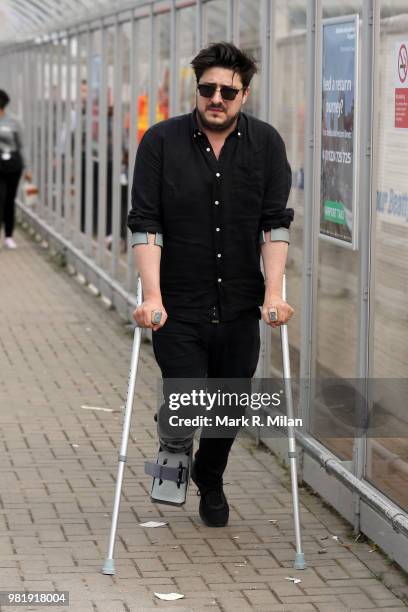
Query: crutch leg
[(299, 557), (171, 475), (109, 565)]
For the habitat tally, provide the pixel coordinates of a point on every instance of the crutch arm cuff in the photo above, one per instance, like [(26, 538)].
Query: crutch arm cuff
[(143, 238), (280, 234)]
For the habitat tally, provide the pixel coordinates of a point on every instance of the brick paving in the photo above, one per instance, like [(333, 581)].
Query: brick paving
[(61, 349)]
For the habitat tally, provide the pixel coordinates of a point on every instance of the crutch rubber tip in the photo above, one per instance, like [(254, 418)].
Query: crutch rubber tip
[(299, 561), (109, 567)]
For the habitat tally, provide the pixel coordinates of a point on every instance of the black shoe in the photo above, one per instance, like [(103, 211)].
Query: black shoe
[(214, 509)]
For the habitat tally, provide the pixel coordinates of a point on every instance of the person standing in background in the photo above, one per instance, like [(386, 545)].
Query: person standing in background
[(12, 162)]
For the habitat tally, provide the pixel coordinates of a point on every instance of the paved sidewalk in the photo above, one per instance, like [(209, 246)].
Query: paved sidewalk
[(60, 350)]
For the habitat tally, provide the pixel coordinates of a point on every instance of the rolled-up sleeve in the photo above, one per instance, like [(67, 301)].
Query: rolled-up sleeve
[(275, 213), (145, 214)]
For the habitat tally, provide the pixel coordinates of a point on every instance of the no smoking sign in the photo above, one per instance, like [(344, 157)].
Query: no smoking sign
[(400, 69), (402, 63)]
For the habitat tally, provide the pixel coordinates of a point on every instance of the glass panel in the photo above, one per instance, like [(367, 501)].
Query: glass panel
[(288, 99), (337, 300), (250, 40), (126, 36), (81, 123), (50, 117), (110, 41), (95, 85), (187, 80), (71, 126), (142, 76), (162, 25), (387, 461), (215, 21)]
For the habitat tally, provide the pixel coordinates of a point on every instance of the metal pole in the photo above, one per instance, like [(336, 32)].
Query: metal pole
[(117, 150), (58, 148), (67, 206), (201, 30), (102, 149), (173, 61), (133, 131), (109, 565), (88, 139), (299, 557), (50, 109), (311, 204), (78, 149), (369, 27), (43, 133)]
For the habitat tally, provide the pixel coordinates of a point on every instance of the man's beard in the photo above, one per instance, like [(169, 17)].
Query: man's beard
[(216, 127)]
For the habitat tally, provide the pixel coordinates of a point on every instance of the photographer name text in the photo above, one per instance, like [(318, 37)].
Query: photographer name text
[(254, 420)]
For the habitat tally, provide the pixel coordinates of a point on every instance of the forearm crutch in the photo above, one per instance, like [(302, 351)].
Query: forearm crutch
[(299, 557), (109, 566)]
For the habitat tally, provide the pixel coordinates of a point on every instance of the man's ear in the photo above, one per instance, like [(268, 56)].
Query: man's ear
[(246, 94)]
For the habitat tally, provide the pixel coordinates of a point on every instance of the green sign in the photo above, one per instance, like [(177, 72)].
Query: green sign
[(334, 211)]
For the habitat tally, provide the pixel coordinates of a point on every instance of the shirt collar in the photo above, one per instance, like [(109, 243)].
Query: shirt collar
[(196, 132)]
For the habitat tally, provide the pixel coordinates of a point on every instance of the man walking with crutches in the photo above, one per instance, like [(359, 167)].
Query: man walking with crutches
[(209, 197)]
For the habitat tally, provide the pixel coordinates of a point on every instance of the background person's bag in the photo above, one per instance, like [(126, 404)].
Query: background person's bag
[(10, 156)]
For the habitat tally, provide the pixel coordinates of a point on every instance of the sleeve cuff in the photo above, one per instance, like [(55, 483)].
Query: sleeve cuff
[(143, 238), (280, 234)]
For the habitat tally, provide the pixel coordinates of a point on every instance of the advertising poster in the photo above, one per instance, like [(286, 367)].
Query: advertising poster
[(338, 215)]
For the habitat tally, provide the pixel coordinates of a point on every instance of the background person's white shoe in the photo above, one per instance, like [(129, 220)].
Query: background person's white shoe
[(9, 243)]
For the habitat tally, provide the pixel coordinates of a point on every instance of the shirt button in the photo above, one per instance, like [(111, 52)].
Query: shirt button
[(218, 254), (217, 229), (220, 280), (199, 133), (218, 175), (208, 149), (239, 133), (216, 202)]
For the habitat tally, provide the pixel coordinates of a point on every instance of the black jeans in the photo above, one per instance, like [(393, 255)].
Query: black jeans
[(214, 350), (8, 189)]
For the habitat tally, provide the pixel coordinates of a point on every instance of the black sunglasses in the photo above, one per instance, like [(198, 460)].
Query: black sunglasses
[(227, 93)]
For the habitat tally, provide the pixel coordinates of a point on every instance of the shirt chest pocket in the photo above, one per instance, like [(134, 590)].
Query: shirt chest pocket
[(248, 179)]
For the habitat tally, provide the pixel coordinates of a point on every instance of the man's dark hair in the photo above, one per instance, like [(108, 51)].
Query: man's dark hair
[(225, 55), (4, 99)]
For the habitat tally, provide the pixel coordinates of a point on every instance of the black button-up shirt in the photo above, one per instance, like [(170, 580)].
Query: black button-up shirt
[(210, 212)]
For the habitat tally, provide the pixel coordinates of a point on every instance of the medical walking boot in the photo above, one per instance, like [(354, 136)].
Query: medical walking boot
[(171, 474)]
